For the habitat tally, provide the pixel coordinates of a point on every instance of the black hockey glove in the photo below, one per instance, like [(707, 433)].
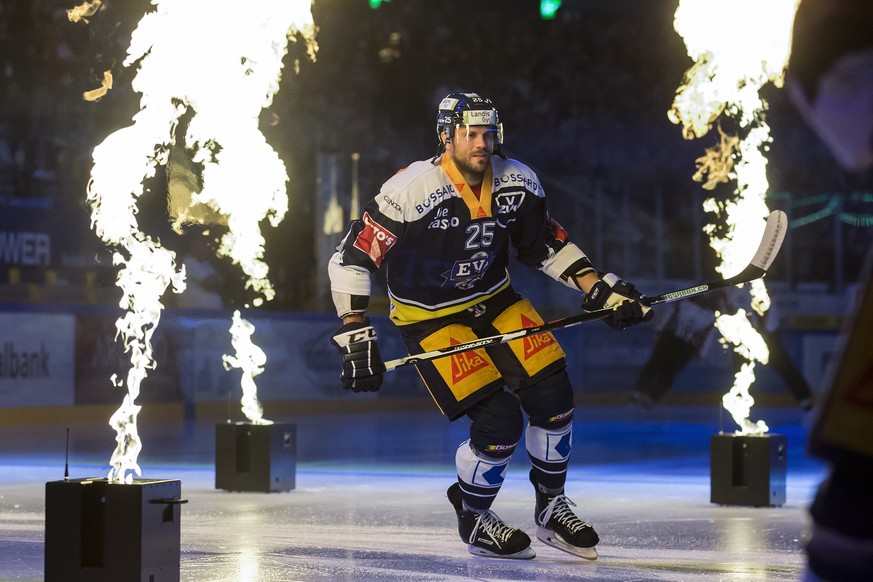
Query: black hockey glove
[(362, 363), (631, 306)]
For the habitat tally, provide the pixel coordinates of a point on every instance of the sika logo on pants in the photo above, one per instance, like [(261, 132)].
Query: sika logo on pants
[(534, 352), (533, 344), (466, 363), (463, 373)]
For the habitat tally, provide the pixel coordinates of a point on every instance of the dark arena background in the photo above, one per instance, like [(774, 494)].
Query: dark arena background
[(358, 481)]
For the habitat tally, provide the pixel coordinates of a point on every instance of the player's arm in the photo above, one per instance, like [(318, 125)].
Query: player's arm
[(610, 292), (362, 366), (361, 252), (567, 264), (570, 266), (349, 287)]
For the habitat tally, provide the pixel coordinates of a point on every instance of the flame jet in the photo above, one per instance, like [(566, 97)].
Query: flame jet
[(737, 47), (219, 63)]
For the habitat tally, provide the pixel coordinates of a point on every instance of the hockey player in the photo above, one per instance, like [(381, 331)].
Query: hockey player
[(441, 229)]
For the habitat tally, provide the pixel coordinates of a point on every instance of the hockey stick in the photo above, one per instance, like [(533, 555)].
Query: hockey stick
[(768, 248)]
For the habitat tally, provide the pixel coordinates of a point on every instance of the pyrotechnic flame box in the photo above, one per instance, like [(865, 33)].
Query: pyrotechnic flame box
[(748, 469), (255, 457), (100, 531)]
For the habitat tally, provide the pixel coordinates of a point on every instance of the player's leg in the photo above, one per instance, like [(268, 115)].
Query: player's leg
[(469, 384), (535, 369), (496, 424), (548, 402)]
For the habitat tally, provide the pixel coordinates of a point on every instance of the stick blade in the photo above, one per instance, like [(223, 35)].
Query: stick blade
[(771, 240), (768, 249)]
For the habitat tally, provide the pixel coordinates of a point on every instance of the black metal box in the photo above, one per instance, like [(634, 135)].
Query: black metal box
[(255, 457), (98, 531), (747, 469)]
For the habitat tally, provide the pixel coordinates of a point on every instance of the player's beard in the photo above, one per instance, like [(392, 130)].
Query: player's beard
[(473, 166)]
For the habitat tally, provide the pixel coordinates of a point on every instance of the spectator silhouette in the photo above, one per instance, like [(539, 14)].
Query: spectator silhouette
[(685, 333)]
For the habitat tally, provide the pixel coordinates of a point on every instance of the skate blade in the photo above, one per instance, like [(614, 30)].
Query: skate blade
[(550, 538), (525, 554)]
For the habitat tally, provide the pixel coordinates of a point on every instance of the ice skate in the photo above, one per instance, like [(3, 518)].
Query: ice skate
[(486, 534), (560, 528)]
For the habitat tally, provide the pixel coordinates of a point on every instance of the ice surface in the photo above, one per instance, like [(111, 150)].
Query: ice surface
[(370, 502)]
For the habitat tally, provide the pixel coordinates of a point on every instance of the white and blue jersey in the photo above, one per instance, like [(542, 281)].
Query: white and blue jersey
[(445, 249)]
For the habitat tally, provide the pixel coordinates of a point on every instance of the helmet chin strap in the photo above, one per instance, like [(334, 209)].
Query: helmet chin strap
[(441, 148)]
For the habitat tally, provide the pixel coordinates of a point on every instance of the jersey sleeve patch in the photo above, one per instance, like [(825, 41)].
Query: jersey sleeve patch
[(374, 240), (559, 232)]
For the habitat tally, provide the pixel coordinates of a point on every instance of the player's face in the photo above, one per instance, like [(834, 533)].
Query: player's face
[(471, 150)]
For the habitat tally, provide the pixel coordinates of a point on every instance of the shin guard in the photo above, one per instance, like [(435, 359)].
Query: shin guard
[(479, 476), (549, 452)]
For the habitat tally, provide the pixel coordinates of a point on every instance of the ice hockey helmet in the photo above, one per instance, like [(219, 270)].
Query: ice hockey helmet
[(461, 109)]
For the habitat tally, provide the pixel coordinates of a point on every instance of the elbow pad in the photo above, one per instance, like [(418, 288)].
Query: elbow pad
[(349, 286), (565, 265), (346, 303)]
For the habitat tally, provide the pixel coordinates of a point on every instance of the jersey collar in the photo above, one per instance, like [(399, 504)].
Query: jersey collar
[(479, 208)]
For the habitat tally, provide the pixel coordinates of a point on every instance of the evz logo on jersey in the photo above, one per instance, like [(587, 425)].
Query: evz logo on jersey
[(509, 202), (375, 240), (465, 273)]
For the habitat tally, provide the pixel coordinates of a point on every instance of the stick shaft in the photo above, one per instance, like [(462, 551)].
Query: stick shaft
[(561, 323), (768, 248)]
